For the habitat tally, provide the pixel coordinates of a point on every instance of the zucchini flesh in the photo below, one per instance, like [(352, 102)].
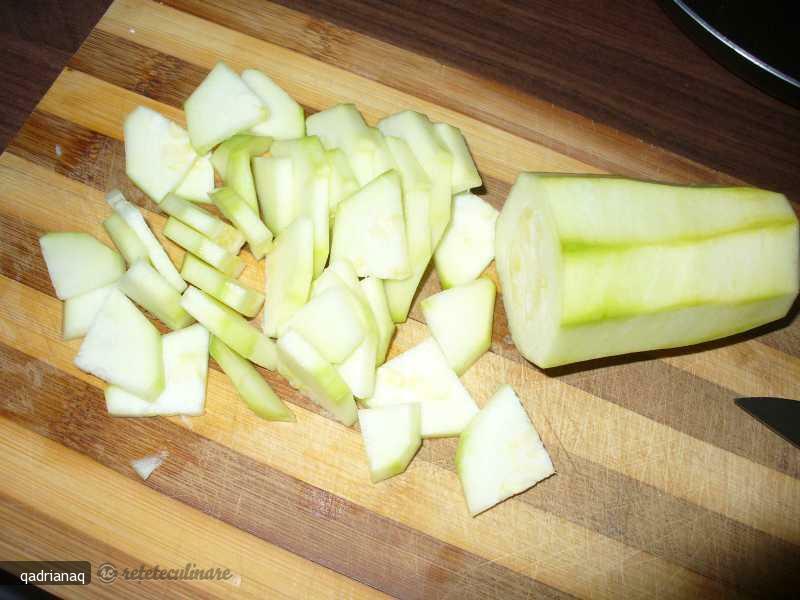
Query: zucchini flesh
[(245, 218), (286, 119), (202, 247), (221, 106), (217, 230), (227, 290), (124, 238), (249, 384), (289, 270), (500, 454), (148, 288), (369, 230), (77, 263), (230, 327), (391, 438), (123, 348), (185, 374)]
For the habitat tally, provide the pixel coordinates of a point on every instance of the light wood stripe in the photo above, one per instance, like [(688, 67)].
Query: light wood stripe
[(428, 498), (583, 424), (133, 517), (73, 90)]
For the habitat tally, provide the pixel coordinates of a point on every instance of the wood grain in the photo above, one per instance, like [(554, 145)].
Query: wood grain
[(663, 487)]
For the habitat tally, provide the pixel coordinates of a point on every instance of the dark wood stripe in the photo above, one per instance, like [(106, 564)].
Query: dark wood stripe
[(20, 255), (64, 542), (86, 156), (253, 497), (538, 53), (668, 395)]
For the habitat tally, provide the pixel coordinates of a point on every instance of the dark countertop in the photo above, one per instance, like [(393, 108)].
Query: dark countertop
[(621, 63)]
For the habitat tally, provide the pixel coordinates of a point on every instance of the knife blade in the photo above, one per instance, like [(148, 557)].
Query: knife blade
[(781, 415)]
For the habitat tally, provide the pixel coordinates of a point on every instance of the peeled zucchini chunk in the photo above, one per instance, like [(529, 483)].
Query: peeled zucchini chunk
[(185, 374), (467, 246), (599, 266), (230, 327), (500, 454), (158, 154), (249, 145), (217, 230), (391, 438), (199, 181), (332, 323), (434, 157), (286, 120), (423, 375), (375, 295), (232, 161), (343, 127), (316, 377), (124, 238), (202, 247), (80, 311), (310, 174), (145, 286), (342, 182), (77, 263), (289, 269), (221, 106), (227, 290), (249, 384), (338, 272), (155, 251), (358, 369), (460, 320), (236, 210), (417, 191), (123, 348), (465, 174), (274, 181), (369, 230)]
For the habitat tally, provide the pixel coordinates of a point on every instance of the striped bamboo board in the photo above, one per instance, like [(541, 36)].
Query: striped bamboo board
[(664, 487)]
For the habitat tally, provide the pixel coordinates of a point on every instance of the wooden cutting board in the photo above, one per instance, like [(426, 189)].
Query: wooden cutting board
[(663, 487)]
